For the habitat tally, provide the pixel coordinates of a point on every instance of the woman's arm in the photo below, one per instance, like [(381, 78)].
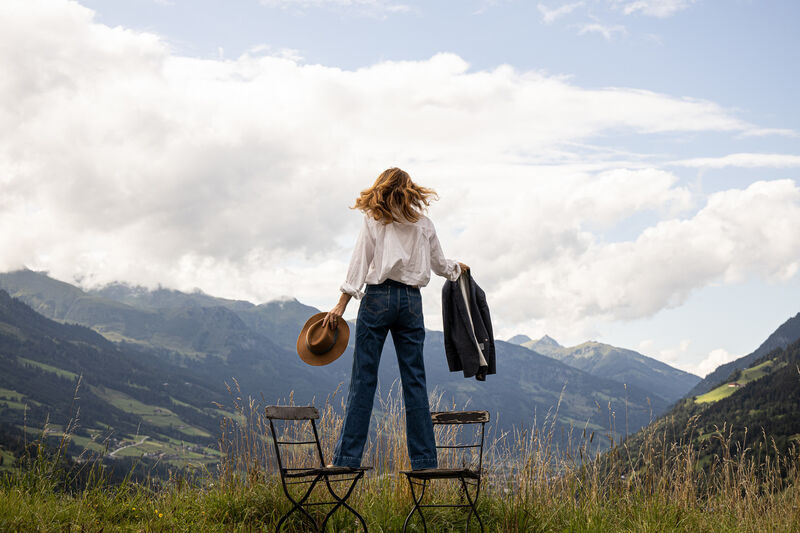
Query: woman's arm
[(356, 274), (440, 265), (359, 262)]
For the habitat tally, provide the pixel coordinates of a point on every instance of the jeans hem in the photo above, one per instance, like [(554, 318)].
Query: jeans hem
[(424, 464), (349, 462)]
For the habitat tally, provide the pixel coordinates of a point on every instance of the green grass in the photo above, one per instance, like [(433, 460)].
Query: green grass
[(529, 486), (747, 375), (48, 368), (208, 505)]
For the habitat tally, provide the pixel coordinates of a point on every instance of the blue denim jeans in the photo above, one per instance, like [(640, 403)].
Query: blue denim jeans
[(395, 307)]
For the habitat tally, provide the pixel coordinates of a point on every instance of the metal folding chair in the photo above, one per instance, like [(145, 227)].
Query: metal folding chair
[(310, 476), (468, 475)]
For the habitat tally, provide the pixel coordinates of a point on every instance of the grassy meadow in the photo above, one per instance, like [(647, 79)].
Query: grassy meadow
[(529, 485)]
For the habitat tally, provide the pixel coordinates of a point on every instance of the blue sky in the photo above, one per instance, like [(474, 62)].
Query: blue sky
[(738, 53), (618, 170)]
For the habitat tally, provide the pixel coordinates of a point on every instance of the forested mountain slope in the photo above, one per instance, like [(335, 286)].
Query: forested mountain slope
[(786, 334), (761, 416)]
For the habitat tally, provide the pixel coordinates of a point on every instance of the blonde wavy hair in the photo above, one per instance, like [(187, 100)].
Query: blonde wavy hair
[(395, 198)]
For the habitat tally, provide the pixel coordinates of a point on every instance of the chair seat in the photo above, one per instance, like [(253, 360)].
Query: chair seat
[(328, 470), (443, 473)]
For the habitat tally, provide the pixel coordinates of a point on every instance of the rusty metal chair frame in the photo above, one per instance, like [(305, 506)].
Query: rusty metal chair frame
[(469, 478), (311, 476)]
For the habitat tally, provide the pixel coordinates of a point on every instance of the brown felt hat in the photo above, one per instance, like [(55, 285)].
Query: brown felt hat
[(317, 345)]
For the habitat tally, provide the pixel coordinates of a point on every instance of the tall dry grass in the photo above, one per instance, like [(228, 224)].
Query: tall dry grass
[(534, 481)]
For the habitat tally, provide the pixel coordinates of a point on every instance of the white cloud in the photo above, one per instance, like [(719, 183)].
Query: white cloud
[(549, 15), (653, 8), (675, 356), (766, 132), (743, 160), (291, 54), (572, 277), (122, 161), (605, 30), (715, 358), (363, 6)]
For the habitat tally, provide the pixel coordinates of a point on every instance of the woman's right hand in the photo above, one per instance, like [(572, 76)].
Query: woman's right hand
[(333, 316), (464, 268)]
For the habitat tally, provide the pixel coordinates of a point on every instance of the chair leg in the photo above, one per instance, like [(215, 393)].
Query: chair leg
[(472, 504), (298, 506), (342, 502), (417, 502)]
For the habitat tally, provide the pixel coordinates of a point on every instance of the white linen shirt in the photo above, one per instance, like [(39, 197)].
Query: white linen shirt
[(402, 251)]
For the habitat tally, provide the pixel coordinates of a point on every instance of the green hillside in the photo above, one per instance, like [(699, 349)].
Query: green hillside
[(740, 378), (786, 334), (59, 376), (761, 417)]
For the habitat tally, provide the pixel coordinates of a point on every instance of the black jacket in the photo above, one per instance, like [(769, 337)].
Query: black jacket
[(467, 329)]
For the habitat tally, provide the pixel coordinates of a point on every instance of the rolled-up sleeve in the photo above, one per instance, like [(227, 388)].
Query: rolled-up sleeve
[(440, 265), (359, 263)]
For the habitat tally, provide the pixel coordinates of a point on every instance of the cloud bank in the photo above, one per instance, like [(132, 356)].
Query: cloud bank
[(122, 161)]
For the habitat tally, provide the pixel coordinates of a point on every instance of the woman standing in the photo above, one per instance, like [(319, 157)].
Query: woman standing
[(394, 255)]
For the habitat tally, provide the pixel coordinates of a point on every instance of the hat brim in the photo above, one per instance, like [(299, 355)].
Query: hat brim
[(331, 355)]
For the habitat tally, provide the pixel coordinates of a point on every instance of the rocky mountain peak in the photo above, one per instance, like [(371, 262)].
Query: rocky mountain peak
[(547, 340), (519, 339)]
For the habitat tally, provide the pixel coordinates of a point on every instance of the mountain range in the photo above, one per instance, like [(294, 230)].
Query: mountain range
[(216, 341), (152, 369), (619, 364)]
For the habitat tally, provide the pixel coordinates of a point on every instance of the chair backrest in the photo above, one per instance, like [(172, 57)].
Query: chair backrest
[(294, 440), (291, 412), (455, 418)]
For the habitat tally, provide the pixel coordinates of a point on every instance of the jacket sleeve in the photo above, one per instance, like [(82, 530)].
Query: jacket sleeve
[(483, 307), (450, 350)]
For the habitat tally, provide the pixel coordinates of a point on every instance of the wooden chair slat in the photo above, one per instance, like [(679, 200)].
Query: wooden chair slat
[(291, 412), (460, 417)]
